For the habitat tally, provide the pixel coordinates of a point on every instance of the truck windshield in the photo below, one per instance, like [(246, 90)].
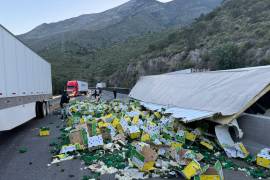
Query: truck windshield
[(71, 87)]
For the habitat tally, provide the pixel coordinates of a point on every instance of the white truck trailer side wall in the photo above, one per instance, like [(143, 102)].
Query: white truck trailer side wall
[(22, 73), (10, 63)]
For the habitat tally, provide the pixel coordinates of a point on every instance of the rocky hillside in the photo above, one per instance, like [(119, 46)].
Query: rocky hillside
[(237, 34)]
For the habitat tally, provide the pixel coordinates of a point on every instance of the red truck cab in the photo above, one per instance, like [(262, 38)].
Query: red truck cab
[(72, 88)]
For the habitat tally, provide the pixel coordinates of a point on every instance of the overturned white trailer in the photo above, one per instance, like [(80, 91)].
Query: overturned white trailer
[(218, 96), (25, 83)]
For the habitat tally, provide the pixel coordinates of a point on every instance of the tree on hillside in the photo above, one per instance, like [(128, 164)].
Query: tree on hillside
[(227, 56)]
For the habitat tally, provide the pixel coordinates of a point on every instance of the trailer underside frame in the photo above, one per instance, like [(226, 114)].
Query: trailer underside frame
[(20, 100)]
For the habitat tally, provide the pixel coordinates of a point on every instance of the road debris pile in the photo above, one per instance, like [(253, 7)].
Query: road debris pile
[(132, 142)]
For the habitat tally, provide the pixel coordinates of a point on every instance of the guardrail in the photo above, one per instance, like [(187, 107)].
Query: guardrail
[(118, 89)]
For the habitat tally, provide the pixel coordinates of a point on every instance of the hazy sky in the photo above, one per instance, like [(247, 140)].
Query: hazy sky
[(20, 16)]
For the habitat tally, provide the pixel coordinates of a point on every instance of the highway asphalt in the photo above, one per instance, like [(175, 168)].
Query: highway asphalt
[(33, 164)]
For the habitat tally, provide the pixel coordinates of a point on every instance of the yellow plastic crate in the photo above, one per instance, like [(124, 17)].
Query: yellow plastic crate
[(191, 169), (176, 145), (210, 177), (148, 166), (44, 132), (103, 124), (244, 150), (115, 122), (263, 162), (157, 114), (190, 136), (145, 137), (207, 145), (135, 135), (82, 121), (135, 120)]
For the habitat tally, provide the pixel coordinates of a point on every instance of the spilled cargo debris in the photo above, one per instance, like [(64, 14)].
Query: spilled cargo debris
[(44, 131), (132, 141), (23, 150), (263, 158)]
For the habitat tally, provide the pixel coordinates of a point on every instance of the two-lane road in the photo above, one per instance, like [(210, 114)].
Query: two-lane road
[(33, 165)]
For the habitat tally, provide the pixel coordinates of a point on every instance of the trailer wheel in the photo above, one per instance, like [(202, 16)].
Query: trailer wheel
[(47, 108), (39, 109), (44, 109)]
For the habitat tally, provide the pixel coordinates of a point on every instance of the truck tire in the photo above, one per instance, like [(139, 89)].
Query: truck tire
[(41, 109), (44, 109), (38, 109), (47, 108)]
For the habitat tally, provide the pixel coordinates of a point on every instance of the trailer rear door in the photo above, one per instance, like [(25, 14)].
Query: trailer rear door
[(2, 66), (10, 65)]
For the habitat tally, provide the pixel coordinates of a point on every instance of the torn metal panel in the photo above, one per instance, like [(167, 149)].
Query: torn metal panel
[(231, 148), (189, 115), (152, 107), (237, 129), (185, 115)]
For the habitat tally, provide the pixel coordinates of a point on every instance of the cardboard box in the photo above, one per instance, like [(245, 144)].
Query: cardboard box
[(157, 114), (108, 118), (123, 125), (106, 133), (207, 145), (95, 142), (84, 135), (176, 145), (75, 137), (102, 124), (134, 132), (79, 146), (144, 158), (115, 122), (185, 156), (82, 120), (190, 136), (135, 120), (181, 136), (68, 148), (191, 170), (92, 128), (211, 173), (145, 137), (112, 130), (263, 158)]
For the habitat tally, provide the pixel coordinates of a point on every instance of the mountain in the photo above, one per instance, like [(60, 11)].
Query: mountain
[(236, 34), (83, 47), (133, 18)]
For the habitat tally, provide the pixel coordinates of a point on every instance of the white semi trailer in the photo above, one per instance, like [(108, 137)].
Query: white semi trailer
[(25, 82)]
